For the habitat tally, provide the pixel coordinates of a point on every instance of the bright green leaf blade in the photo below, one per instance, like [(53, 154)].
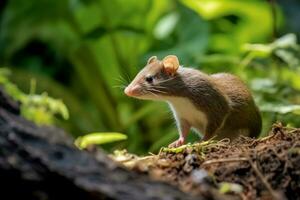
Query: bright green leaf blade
[(226, 187), (99, 138), (281, 109), (166, 25)]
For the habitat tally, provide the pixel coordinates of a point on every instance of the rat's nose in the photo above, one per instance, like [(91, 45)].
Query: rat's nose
[(127, 91), (132, 90)]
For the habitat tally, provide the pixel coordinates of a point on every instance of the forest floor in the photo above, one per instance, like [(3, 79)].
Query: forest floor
[(32, 158), (265, 168)]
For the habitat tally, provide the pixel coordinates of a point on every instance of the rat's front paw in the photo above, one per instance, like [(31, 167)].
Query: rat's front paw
[(177, 143)]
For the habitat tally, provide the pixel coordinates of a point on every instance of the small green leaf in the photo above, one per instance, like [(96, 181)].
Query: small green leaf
[(98, 138), (286, 41), (226, 187), (34, 106), (166, 25), (260, 50)]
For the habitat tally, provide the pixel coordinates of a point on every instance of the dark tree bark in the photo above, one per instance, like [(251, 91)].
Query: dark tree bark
[(42, 163)]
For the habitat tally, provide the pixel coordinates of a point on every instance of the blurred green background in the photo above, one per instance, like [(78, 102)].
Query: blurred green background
[(85, 51)]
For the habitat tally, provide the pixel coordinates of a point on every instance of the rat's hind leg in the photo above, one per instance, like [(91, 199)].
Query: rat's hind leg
[(184, 128), (211, 130)]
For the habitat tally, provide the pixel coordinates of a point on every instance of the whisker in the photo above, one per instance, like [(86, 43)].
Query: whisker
[(161, 87), (122, 78), (119, 86), (166, 80), (155, 90), (152, 93), (119, 81), (160, 91), (127, 76)]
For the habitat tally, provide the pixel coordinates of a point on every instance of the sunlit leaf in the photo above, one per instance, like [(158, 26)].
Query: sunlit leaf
[(281, 109), (288, 40), (166, 25), (232, 36), (285, 48), (260, 50), (264, 84), (292, 58), (99, 138), (190, 43)]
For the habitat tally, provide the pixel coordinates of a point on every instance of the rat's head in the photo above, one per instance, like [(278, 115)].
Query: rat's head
[(151, 82)]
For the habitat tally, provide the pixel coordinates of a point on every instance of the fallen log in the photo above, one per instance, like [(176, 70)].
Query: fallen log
[(39, 162)]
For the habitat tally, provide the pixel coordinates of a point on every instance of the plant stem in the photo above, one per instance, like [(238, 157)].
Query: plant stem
[(274, 17)]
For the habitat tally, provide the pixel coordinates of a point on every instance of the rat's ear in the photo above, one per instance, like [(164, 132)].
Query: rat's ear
[(151, 59), (170, 64)]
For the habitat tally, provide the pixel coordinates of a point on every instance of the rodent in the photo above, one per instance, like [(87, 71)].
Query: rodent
[(218, 105)]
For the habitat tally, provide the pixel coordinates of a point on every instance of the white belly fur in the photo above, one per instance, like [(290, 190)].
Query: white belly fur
[(183, 108)]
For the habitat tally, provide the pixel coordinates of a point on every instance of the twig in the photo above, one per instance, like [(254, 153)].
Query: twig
[(263, 180), (294, 130), (263, 139), (267, 137), (224, 160)]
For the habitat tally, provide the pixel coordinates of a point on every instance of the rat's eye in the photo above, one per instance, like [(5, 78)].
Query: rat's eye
[(149, 79)]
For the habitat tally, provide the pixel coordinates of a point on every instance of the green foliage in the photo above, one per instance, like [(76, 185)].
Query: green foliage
[(278, 85), (230, 35), (10, 88), (39, 108), (85, 52), (285, 48), (281, 109), (98, 138), (42, 108)]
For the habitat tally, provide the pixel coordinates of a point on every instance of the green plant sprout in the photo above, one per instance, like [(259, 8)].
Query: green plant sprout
[(198, 146), (40, 109), (226, 187)]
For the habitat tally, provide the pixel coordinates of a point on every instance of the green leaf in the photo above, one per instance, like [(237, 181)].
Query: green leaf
[(259, 50), (264, 85), (233, 34), (281, 109), (285, 48), (226, 187), (99, 138), (188, 44), (49, 105), (288, 40), (101, 31), (166, 25)]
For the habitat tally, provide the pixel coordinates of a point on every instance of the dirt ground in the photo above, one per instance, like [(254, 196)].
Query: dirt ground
[(265, 168)]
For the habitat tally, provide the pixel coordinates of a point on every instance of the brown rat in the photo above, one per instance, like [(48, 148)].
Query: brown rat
[(218, 105)]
